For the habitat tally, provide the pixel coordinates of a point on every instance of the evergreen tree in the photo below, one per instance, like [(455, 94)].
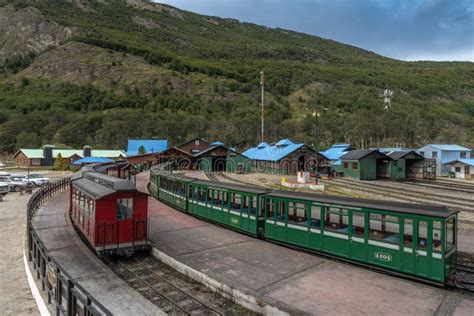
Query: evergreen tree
[(141, 150)]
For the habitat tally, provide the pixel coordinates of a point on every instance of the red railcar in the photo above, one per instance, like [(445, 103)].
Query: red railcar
[(110, 212)]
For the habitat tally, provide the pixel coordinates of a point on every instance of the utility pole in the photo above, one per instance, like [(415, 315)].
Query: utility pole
[(262, 84)]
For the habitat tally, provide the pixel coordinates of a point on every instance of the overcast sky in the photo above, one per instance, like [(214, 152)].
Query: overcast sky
[(401, 29)]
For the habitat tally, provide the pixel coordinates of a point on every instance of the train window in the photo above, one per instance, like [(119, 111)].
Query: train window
[(450, 233), (315, 217), (358, 224), (436, 231), (252, 205), (280, 212), (336, 219), (226, 199), (384, 227), (235, 201), (124, 208), (297, 213), (422, 234), (408, 232), (217, 197), (269, 208)]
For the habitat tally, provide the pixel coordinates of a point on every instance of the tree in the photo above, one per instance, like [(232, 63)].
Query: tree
[(60, 164), (141, 150)]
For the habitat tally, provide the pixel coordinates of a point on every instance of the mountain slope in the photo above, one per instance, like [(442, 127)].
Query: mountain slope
[(103, 66)]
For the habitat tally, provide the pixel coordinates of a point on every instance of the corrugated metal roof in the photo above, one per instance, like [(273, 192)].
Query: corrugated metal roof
[(361, 153), (395, 155), (151, 146), (92, 188), (448, 147), (68, 153), (92, 160), (272, 153), (336, 151), (469, 162), (217, 143), (390, 149)]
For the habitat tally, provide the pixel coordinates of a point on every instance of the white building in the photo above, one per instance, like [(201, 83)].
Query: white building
[(444, 154), (462, 168)]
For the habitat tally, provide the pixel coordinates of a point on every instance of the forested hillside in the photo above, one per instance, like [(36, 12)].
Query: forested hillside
[(98, 72)]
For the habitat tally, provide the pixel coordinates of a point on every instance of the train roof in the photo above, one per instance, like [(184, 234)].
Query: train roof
[(232, 186), (93, 189), (114, 183), (411, 208), (177, 176)]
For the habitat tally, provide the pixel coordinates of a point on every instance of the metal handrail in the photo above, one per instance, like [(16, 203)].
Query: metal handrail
[(36, 246)]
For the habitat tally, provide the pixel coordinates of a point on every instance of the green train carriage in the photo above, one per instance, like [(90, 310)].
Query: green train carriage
[(414, 239), (410, 239), (233, 205)]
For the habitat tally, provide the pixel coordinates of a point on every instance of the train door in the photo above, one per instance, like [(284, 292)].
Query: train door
[(408, 246), (358, 237), (125, 219), (422, 250)]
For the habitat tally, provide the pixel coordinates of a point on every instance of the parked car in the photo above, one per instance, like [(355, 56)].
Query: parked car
[(38, 179), (4, 184), (18, 183), (2, 165)]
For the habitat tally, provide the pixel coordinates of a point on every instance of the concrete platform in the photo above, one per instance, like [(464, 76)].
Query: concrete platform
[(62, 242), (293, 281)]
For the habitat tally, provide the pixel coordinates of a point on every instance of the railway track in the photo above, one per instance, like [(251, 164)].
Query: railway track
[(171, 291), (401, 194), (443, 184), (463, 279)]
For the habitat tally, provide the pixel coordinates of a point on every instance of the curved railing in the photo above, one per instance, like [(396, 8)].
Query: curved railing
[(66, 296)]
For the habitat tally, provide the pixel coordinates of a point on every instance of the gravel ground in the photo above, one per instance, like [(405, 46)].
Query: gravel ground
[(15, 295)]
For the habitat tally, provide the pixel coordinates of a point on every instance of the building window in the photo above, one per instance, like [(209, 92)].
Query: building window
[(434, 154), (384, 227), (36, 162), (463, 154), (124, 208), (346, 165), (196, 142), (457, 169), (355, 165), (422, 153)]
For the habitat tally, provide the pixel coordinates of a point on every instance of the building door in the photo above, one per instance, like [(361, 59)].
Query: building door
[(301, 166), (422, 248), (467, 172)]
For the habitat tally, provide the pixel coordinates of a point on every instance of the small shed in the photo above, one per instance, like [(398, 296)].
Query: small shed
[(404, 164), (462, 168), (334, 153), (366, 164)]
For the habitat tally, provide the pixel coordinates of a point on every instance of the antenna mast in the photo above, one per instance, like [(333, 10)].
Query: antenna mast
[(262, 84)]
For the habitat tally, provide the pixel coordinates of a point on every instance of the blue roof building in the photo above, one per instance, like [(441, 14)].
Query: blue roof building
[(336, 152), (443, 154), (90, 160), (462, 168), (285, 157), (151, 146)]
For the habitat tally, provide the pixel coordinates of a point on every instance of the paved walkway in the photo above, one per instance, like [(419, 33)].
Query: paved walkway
[(15, 295), (291, 280)]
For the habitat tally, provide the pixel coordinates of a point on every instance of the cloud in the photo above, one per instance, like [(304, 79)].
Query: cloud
[(402, 29)]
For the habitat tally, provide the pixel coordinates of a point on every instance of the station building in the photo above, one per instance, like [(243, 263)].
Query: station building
[(46, 156), (442, 154), (334, 153), (462, 168), (366, 164), (285, 157)]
